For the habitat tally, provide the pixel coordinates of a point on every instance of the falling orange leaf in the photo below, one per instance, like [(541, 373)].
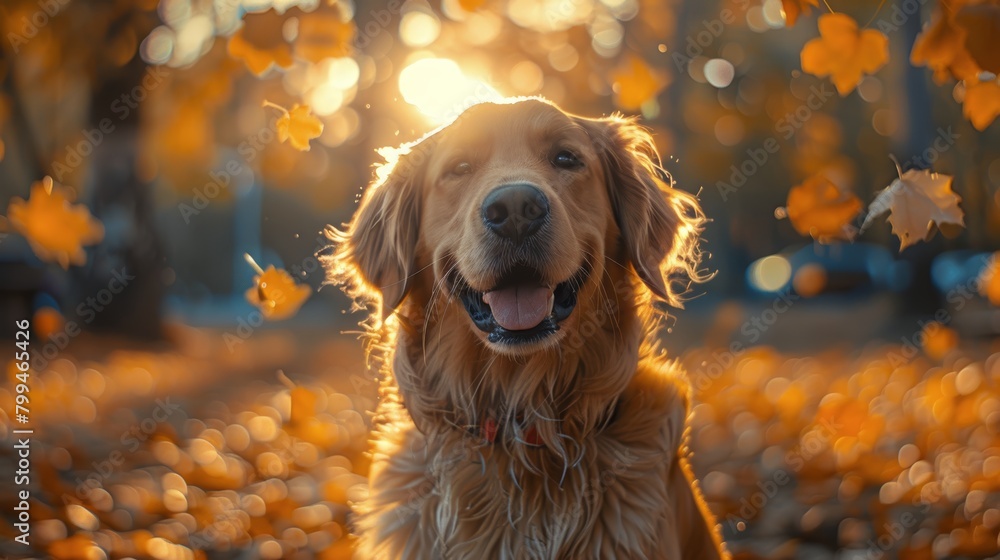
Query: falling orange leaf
[(302, 400), (982, 103), (982, 27), (56, 229), (941, 47), (635, 83), (795, 8), (276, 294), (820, 209), (260, 44), (844, 52), (298, 126), (917, 202), (324, 34)]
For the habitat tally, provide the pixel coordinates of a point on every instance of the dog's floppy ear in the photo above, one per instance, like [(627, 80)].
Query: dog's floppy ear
[(375, 252), (660, 225)]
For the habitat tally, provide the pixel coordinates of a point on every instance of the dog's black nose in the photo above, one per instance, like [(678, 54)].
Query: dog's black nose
[(515, 211)]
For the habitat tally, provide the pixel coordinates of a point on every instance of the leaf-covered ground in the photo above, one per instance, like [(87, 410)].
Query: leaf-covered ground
[(192, 451)]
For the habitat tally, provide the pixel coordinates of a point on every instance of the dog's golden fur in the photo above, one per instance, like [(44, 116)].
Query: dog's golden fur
[(610, 478)]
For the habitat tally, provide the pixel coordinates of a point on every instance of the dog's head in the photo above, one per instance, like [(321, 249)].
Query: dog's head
[(513, 214)]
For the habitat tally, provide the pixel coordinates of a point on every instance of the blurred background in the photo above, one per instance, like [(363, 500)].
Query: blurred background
[(167, 168)]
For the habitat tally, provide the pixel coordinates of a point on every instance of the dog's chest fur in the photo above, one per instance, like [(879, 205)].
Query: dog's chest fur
[(450, 495)]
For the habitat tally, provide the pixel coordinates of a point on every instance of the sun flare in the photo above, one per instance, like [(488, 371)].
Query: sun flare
[(441, 91)]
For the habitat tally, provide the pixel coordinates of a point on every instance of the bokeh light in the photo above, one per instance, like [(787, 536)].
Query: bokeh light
[(419, 28), (770, 273), (719, 72)]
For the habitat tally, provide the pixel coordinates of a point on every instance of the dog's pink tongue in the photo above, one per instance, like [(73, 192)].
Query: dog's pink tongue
[(520, 307)]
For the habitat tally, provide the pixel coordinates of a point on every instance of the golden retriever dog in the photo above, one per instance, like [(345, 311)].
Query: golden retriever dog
[(512, 260)]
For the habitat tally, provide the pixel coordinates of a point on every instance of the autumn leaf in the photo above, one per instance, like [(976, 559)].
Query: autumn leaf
[(298, 126), (795, 8), (982, 30), (918, 202), (635, 82), (941, 47), (302, 400), (982, 102), (56, 229), (844, 52), (275, 293), (260, 44), (324, 34), (819, 208)]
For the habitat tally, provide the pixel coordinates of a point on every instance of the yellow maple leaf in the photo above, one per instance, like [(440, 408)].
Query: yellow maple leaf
[(795, 8), (941, 47), (635, 82), (982, 103), (324, 34), (844, 52), (56, 229), (981, 24), (298, 126), (275, 292), (918, 201), (260, 44), (819, 208)]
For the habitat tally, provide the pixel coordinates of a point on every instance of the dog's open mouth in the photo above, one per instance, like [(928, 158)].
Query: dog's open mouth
[(521, 308)]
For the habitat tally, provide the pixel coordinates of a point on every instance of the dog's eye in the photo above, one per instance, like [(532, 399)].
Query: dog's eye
[(566, 160), (461, 168)]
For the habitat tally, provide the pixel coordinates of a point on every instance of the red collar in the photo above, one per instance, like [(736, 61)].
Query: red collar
[(491, 430)]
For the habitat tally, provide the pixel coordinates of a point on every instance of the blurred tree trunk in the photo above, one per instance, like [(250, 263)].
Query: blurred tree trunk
[(131, 252), (912, 136)]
